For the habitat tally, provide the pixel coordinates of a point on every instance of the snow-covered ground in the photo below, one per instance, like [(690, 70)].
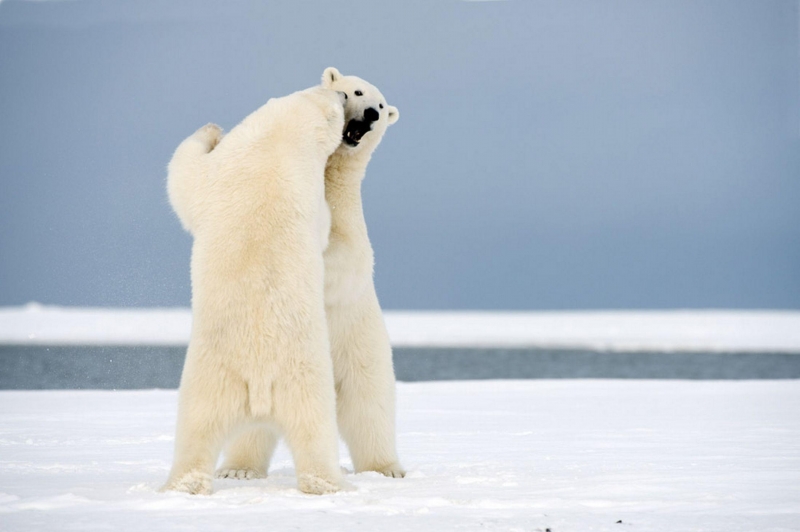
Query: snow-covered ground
[(574, 455), (709, 330)]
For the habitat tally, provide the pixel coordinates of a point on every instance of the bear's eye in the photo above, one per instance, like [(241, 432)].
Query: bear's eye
[(359, 93), (380, 105), (345, 95)]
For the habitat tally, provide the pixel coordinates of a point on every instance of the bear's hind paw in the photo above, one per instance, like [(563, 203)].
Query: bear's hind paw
[(392, 470), (315, 485), (193, 483)]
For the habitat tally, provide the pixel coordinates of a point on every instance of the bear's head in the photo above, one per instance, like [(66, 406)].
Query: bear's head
[(366, 113)]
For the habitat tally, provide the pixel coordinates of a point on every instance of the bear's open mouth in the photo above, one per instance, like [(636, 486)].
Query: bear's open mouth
[(355, 130)]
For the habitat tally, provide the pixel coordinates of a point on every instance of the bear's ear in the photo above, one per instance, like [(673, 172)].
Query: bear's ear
[(330, 76), (394, 114)]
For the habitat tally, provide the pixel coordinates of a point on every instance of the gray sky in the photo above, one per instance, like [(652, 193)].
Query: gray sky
[(549, 155)]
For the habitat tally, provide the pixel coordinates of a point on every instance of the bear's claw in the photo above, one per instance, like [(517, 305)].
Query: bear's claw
[(240, 474)]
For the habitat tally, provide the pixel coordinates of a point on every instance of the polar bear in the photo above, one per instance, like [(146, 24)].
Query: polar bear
[(362, 355), (259, 352)]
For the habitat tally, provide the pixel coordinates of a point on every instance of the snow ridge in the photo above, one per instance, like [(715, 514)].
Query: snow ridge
[(660, 331)]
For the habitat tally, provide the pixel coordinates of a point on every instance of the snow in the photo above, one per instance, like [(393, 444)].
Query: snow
[(35, 324), (680, 330), (574, 455), (716, 330)]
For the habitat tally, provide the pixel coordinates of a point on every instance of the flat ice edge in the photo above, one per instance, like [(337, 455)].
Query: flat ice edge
[(774, 331)]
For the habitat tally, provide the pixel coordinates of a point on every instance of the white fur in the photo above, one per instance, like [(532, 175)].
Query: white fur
[(259, 352), (362, 355)]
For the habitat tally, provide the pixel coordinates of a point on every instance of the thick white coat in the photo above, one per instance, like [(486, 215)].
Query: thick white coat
[(360, 348), (259, 352)]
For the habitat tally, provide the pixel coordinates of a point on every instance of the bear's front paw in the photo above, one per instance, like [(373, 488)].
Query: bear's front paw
[(209, 135), (241, 474)]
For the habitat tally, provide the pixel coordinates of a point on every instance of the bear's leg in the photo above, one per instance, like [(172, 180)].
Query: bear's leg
[(365, 384), (187, 167), (248, 454), (305, 410), (207, 410)]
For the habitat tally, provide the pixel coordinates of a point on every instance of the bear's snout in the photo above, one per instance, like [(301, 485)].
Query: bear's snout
[(371, 114)]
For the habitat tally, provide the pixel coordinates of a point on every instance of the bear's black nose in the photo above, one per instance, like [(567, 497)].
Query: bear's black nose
[(371, 115)]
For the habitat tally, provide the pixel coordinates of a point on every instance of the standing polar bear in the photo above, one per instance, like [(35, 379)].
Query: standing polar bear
[(259, 351), (360, 349)]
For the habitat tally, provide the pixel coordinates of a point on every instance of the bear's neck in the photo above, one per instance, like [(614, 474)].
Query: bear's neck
[(343, 176)]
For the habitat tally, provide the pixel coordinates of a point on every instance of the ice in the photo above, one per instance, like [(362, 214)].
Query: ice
[(568, 455)]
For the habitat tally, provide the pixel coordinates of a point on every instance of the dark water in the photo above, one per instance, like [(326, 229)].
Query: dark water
[(112, 367)]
